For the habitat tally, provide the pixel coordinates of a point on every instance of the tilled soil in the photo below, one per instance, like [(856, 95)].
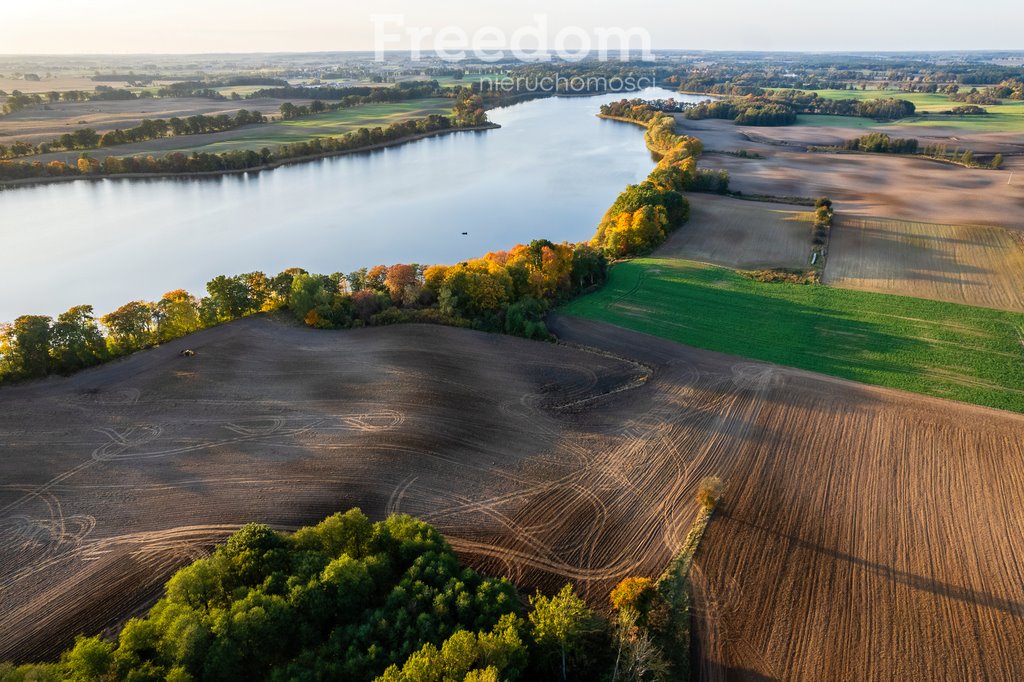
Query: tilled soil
[(865, 532)]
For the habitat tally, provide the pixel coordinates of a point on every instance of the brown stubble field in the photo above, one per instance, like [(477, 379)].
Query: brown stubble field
[(976, 265), (859, 523), (868, 185), (743, 234), (885, 185)]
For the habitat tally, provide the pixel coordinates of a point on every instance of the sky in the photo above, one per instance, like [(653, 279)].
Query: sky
[(203, 26)]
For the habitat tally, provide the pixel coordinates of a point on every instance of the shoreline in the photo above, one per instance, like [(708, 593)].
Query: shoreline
[(28, 182), (515, 99)]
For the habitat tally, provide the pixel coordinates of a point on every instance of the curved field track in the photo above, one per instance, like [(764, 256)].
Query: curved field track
[(866, 533), (975, 265)]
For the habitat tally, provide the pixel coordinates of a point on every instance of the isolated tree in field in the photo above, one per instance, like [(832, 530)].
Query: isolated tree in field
[(25, 347), (709, 492), (76, 341), (560, 624)]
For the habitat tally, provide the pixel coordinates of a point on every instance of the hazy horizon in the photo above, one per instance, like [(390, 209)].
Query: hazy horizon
[(194, 27)]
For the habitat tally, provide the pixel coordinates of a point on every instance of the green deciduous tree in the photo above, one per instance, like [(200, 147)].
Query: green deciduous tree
[(76, 341), (560, 624), (25, 346)]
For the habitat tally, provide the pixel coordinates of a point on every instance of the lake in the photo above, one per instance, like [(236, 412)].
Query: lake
[(551, 172)]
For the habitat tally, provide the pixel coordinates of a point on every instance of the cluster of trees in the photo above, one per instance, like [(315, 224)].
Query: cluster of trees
[(193, 125), (389, 602), (346, 599), (967, 110), (882, 143), (750, 110), (888, 109), (636, 110), (18, 100), (505, 291), (882, 109), (823, 215), (191, 89), (354, 96), (466, 113), (1011, 88), (964, 157), (148, 129), (36, 345), (343, 599), (975, 96), (645, 214)]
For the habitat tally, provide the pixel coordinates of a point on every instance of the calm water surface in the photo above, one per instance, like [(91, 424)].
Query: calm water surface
[(551, 171)]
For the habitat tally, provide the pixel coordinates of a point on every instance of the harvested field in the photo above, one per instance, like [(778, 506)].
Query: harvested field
[(817, 565), (982, 266), (743, 234), (59, 83), (884, 185), (824, 131), (41, 124)]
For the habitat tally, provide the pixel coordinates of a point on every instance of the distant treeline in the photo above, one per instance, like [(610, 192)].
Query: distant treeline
[(400, 93), (357, 95), (149, 129), (967, 110), (751, 110), (780, 108), (1011, 88), (18, 100), (467, 113), (882, 143)]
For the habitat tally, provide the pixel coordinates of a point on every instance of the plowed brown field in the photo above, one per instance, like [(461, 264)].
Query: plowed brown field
[(866, 533)]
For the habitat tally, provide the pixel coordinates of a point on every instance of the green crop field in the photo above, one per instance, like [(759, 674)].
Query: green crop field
[(332, 124), (271, 135), (941, 349), (1005, 117)]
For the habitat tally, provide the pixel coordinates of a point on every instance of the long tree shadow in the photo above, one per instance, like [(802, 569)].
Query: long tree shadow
[(917, 582)]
